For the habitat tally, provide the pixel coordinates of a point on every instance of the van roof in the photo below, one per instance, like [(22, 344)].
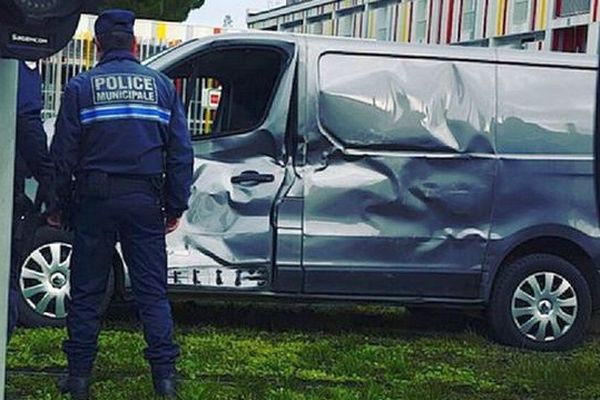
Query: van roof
[(431, 50), (370, 46)]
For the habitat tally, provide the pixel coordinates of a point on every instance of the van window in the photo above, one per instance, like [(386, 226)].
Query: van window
[(392, 103), (223, 95), (202, 106), (545, 110)]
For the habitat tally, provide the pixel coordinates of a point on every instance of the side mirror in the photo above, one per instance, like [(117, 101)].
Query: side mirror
[(34, 29)]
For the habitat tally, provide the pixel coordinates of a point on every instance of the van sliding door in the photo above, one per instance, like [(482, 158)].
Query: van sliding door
[(398, 193)]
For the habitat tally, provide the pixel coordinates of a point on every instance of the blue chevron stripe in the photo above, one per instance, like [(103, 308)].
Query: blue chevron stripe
[(125, 111)]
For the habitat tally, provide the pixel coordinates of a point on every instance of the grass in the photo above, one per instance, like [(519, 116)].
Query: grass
[(289, 353)]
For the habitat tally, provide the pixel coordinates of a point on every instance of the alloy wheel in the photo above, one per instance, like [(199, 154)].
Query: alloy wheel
[(544, 306), (44, 280)]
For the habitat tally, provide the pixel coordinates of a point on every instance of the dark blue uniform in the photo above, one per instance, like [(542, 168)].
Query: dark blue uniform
[(32, 149), (32, 160), (120, 127)]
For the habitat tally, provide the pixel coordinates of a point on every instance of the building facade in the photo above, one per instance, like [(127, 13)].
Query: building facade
[(557, 25), (80, 54)]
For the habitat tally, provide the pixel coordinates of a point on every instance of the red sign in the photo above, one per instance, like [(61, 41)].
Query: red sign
[(215, 99)]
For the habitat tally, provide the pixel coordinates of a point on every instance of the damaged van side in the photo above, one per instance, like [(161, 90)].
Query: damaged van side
[(353, 170), (335, 169)]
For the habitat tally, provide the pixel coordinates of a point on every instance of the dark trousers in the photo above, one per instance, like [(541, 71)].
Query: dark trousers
[(137, 220)]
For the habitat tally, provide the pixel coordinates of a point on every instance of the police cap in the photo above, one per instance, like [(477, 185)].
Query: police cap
[(115, 21)]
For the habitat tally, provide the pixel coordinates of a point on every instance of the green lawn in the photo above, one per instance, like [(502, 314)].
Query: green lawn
[(287, 353)]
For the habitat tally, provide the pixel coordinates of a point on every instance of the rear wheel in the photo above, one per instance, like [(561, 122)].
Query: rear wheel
[(540, 302), (44, 280)]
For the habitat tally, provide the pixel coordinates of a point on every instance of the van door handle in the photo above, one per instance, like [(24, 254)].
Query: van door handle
[(252, 177)]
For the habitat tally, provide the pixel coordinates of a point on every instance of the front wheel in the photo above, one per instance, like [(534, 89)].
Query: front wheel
[(540, 302)]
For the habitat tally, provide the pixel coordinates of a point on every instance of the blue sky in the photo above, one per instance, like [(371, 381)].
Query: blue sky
[(213, 12)]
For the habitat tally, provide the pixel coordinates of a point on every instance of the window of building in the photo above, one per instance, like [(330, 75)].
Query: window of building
[(565, 8), (421, 20), (328, 27), (295, 27), (315, 27), (345, 25), (520, 12), (571, 40), (382, 23), (468, 19)]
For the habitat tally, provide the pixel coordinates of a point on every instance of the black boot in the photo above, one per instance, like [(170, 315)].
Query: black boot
[(78, 388), (165, 388)]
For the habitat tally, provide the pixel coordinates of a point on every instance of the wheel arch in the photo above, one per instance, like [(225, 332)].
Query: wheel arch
[(566, 247)]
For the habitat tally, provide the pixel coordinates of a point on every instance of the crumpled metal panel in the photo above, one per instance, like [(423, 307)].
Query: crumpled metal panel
[(226, 237), (398, 104), (402, 177), (227, 228)]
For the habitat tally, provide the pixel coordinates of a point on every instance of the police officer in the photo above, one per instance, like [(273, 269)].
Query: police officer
[(121, 135), (32, 159)]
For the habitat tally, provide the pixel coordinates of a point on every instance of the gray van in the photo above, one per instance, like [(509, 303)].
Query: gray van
[(345, 170)]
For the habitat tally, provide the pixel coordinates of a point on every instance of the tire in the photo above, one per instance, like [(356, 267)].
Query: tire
[(53, 246), (518, 310)]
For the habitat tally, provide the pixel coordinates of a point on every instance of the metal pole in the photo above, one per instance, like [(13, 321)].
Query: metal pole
[(597, 125), (8, 121)]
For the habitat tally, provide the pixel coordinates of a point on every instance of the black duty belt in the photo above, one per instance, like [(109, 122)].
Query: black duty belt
[(102, 185), (122, 185)]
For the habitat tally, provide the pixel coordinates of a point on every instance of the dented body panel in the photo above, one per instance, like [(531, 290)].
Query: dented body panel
[(400, 190), (227, 237), (399, 172)]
